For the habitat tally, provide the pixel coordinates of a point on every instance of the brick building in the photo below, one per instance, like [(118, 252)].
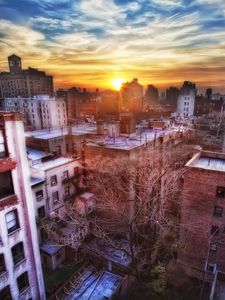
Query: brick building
[(202, 216)]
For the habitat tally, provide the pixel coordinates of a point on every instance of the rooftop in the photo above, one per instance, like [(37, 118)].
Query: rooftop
[(97, 287), (34, 154), (208, 161), (35, 180), (134, 140), (53, 163), (51, 248), (78, 129)]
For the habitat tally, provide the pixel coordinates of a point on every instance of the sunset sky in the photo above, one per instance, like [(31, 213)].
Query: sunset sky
[(92, 42)]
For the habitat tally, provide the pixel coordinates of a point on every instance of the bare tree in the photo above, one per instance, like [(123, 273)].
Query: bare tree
[(137, 198)]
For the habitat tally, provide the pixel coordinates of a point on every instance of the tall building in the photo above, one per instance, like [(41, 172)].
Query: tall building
[(152, 94), (172, 94), (40, 112), (186, 100), (202, 231), (25, 83), (132, 96), (20, 264)]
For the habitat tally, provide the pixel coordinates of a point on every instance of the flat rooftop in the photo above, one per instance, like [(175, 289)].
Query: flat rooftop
[(79, 129), (53, 163), (208, 161), (36, 180), (96, 286), (34, 154), (134, 140)]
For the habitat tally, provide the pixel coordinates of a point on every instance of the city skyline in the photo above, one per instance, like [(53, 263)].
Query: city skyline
[(92, 43)]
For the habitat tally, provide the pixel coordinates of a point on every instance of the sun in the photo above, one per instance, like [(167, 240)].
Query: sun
[(117, 83)]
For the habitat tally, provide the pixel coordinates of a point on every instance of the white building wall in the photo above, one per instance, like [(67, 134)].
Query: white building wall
[(186, 104), (27, 232), (42, 112), (58, 208)]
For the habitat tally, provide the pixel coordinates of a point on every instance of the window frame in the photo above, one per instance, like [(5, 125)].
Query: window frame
[(24, 278), (55, 201), (2, 266), (9, 188), (5, 296), (3, 144), (53, 180), (39, 197), (220, 194), (16, 226), (20, 256), (218, 211)]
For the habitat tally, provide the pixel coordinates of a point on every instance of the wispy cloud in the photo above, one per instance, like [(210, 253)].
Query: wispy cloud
[(89, 42)]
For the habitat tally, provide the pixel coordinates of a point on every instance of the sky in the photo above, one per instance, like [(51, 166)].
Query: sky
[(92, 42)]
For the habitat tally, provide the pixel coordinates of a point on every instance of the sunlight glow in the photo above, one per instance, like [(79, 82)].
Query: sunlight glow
[(117, 83)]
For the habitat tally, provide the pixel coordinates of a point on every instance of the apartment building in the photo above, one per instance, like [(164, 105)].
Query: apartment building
[(39, 112), (202, 244), (54, 181), (24, 83), (20, 264), (186, 100)]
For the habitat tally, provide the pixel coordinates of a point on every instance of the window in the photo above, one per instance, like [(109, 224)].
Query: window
[(39, 195), (22, 282), (58, 150), (65, 174), (214, 230), (74, 149), (76, 171), (220, 192), (55, 197), (2, 264), (2, 144), (211, 268), (17, 253), (5, 293), (6, 185), (213, 247), (12, 221), (53, 180), (218, 211), (41, 212), (67, 190)]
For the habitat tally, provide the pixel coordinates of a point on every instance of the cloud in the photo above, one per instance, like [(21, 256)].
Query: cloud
[(167, 3), (92, 40)]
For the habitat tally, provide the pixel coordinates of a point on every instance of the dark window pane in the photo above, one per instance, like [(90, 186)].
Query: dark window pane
[(2, 263), (220, 192), (5, 294), (17, 253), (22, 282), (6, 185), (218, 211)]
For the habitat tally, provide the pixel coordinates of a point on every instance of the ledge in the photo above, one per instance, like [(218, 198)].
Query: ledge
[(8, 201), (7, 164)]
